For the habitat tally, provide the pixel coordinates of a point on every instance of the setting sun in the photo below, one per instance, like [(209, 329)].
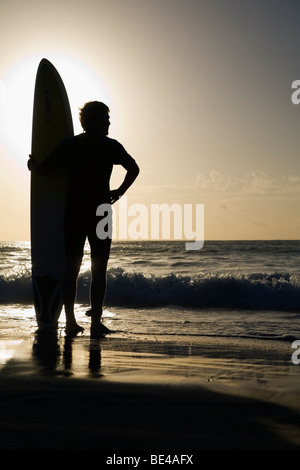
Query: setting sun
[(82, 85)]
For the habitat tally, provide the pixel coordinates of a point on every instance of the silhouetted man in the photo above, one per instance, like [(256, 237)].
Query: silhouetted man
[(90, 158)]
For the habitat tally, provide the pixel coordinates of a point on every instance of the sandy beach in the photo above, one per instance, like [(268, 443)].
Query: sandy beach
[(138, 393)]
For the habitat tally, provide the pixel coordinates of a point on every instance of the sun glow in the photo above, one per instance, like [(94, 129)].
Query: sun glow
[(82, 85)]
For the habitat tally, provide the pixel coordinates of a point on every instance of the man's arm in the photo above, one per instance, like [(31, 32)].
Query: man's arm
[(132, 172), (54, 160)]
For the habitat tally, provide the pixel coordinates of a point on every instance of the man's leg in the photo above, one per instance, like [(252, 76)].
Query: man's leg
[(97, 295), (98, 284), (100, 250), (69, 291)]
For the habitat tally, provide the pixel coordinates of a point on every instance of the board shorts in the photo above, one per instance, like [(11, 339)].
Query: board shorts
[(80, 225)]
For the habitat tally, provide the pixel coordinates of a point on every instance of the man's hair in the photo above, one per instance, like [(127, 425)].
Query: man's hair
[(92, 114)]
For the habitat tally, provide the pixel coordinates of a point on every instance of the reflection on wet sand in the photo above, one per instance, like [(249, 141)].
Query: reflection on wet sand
[(55, 357)]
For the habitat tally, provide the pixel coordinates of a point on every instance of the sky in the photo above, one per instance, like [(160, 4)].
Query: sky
[(199, 91)]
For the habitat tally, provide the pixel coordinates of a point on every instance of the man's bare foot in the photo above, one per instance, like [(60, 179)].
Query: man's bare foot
[(73, 329), (99, 330)]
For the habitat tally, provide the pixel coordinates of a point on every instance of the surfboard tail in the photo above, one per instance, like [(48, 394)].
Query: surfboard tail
[(47, 300)]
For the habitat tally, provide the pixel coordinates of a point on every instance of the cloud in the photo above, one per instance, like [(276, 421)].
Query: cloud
[(256, 182), (225, 205)]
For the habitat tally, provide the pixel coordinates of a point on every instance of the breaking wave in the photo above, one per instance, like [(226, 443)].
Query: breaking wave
[(277, 291)]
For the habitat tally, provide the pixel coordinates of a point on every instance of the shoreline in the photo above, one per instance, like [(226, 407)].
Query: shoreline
[(146, 392)]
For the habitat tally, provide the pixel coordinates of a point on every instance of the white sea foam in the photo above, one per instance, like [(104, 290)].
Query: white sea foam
[(162, 287)]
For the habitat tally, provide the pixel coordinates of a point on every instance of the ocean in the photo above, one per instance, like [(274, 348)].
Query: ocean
[(228, 288)]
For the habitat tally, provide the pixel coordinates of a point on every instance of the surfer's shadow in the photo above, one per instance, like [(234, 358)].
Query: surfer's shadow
[(54, 356)]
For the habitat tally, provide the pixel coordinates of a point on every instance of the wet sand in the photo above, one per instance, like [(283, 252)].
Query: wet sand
[(147, 393)]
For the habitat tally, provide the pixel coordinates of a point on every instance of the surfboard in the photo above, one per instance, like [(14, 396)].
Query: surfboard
[(51, 123)]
